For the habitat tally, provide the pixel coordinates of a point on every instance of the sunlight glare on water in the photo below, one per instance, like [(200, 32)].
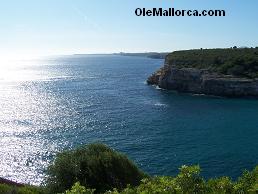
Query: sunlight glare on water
[(15, 71), (25, 110)]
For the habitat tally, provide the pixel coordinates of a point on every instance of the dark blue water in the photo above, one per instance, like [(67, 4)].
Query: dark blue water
[(62, 103)]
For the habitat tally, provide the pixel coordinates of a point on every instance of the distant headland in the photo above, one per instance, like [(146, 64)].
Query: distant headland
[(153, 55)]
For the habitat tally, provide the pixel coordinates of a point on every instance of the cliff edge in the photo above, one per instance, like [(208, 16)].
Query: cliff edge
[(220, 72)]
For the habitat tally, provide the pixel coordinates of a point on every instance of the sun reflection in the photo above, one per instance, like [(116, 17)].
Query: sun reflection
[(15, 70), (14, 67), (31, 118)]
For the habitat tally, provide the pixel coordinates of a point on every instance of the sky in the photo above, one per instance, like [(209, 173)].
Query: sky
[(54, 27)]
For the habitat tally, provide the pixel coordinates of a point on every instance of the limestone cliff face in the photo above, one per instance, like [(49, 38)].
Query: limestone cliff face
[(202, 81)]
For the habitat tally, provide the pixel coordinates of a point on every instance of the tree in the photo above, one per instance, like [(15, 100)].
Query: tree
[(95, 166)]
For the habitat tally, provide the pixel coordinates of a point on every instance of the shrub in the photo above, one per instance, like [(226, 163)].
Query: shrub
[(31, 190), (95, 166), (156, 185), (188, 181), (248, 181), (78, 189), (8, 189), (221, 185)]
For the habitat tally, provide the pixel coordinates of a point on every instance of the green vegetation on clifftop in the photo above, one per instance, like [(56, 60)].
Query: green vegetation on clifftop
[(242, 62)]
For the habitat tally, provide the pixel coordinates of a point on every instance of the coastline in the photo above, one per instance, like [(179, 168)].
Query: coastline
[(179, 74)]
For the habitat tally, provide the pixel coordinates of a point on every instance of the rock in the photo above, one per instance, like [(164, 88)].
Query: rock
[(203, 81), (11, 183)]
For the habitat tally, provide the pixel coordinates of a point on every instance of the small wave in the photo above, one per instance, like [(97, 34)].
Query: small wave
[(57, 78), (61, 78), (159, 104), (207, 95), (198, 95), (158, 88)]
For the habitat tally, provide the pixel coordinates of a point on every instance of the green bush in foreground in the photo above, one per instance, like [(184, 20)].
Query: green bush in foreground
[(189, 181), (78, 189), (95, 166)]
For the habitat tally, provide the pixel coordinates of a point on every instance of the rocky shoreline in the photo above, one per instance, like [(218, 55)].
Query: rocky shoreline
[(202, 81), (11, 183)]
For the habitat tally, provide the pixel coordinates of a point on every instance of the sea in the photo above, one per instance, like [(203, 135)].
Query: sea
[(59, 103)]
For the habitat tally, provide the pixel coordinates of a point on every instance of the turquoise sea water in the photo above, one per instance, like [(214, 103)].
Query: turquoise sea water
[(61, 103)]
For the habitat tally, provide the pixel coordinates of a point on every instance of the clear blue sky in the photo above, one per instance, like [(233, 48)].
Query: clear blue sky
[(35, 27)]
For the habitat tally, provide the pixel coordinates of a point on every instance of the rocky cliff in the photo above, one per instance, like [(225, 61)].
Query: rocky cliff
[(202, 81)]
